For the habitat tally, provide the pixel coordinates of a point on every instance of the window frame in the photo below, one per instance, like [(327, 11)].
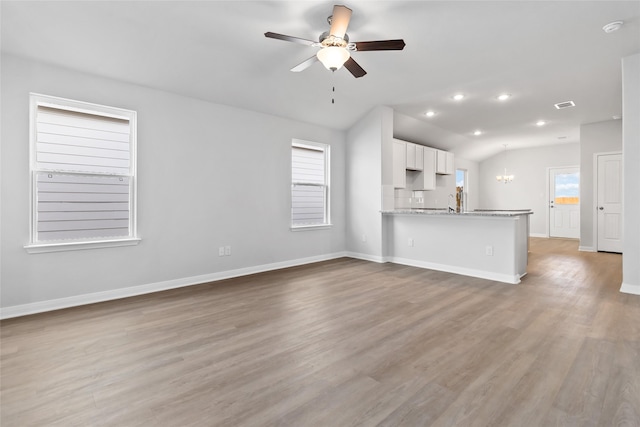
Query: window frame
[(34, 246), (326, 150)]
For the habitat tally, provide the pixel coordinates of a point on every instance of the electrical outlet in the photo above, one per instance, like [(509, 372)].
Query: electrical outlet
[(227, 250), (221, 251), (489, 250), (410, 242)]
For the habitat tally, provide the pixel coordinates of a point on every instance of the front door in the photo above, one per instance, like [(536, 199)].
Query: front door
[(609, 202), (564, 202)]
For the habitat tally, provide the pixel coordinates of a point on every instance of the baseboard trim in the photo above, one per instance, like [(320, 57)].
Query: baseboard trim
[(505, 278), (544, 236), (586, 249), (78, 300), (366, 257), (628, 288)]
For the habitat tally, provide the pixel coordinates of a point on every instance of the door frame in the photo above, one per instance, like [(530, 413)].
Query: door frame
[(548, 192), (594, 207)]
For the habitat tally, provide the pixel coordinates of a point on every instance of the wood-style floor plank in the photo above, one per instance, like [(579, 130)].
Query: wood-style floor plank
[(340, 343)]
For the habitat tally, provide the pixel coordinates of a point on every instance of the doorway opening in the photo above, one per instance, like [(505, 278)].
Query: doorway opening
[(462, 189)]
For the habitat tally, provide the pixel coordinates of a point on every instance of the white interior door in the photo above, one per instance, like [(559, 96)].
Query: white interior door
[(564, 202), (609, 203)]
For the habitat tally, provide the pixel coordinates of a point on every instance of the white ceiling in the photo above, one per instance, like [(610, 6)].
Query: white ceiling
[(541, 52)]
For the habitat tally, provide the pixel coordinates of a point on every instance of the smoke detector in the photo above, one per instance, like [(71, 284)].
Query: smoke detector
[(612, 26)]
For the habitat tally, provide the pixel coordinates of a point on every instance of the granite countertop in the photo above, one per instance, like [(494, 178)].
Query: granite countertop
[(440, 211)]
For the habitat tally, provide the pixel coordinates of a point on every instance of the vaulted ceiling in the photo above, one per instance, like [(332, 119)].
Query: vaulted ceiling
[(539, 52)]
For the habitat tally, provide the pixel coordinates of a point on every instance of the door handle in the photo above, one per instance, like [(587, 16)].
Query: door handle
[(601, 208)]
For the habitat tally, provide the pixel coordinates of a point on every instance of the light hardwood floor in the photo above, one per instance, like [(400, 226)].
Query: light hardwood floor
[(340, 343)]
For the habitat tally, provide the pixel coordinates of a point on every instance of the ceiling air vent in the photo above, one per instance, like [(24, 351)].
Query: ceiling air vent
[(565, 104)]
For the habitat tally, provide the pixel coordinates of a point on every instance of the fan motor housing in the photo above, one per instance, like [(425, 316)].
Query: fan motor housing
[(326, 39)]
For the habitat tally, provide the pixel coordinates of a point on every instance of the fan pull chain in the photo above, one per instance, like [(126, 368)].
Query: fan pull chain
[(333, 90)]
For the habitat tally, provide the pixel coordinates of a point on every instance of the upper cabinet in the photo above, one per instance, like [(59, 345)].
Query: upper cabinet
[(423, 163), (415, 153), (399, 164), (444, 163), (427, 179)]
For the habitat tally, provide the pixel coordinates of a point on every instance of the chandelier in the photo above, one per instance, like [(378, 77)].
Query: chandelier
[(505, 178)]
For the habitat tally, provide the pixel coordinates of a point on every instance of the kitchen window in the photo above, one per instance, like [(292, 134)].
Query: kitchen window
[(83, 181), (309, 185)]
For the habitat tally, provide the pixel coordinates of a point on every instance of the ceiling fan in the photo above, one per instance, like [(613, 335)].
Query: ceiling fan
[(335, 48)]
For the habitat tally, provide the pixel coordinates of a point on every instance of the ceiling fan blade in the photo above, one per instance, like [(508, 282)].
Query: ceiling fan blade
[(306, 42), (340, 21), (380, 45), (354, 68), (306, 64)]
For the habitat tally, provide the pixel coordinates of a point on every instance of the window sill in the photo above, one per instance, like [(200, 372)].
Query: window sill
[(310, 227), (38, 248)]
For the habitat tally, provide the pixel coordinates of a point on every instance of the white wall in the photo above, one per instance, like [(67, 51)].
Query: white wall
[(631, 153), (364, 184), (529, 188), (601, 137), (208, 175)]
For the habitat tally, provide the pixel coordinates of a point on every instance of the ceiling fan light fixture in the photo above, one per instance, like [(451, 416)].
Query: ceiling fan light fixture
[(335, 46), (333, 57)]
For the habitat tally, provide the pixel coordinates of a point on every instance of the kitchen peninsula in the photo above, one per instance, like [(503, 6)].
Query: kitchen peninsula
[(486, 244)]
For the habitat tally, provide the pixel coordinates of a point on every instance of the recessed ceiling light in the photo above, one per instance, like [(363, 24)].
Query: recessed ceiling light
[(458, 96), (541, 123), (430, 113), (612, 26), (504, 96), (565, 104), (477, 132)]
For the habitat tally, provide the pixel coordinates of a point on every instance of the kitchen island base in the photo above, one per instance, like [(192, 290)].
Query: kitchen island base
[(488, 245)]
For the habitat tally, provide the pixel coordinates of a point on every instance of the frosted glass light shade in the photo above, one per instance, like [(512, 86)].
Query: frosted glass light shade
[(333, 57)]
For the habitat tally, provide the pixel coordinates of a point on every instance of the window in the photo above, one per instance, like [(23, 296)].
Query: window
[(567, 188), (309, 184), (83, 175)]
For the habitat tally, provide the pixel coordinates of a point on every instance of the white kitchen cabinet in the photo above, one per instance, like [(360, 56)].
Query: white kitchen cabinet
[(399, 164), (411, 155), (419, 157), (415, 159), (425, 179), (445, 163), (429, 169)]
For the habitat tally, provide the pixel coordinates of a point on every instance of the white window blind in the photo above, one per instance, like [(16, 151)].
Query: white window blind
[(79, 142), (83, 172), (309, 190), (81, 206)]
